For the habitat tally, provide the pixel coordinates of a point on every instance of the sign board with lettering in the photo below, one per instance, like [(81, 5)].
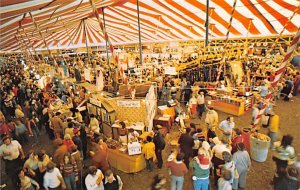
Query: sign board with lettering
[(129, 103), (134, 148)]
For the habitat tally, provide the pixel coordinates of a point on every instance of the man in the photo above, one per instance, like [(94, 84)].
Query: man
[(186, 142), (200, 103), (112, 182), (212, 118), (76, 139), (53, 179), (273, 128), (12, 153), (57, 125), (160, 144), (178, 170), (182, 87), (226, 127)]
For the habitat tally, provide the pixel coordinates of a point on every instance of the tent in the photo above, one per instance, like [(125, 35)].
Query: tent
[(63, 23)]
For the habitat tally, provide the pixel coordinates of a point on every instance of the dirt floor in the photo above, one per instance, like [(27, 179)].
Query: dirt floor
[(259, 176)]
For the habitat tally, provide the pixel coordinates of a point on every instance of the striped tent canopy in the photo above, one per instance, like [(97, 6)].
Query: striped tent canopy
[(62, 23)]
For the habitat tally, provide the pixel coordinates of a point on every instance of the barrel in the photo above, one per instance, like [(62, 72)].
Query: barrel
[(259, 149), (246, 137)]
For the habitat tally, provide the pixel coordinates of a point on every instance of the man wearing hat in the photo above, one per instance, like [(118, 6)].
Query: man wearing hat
[(201, 165)]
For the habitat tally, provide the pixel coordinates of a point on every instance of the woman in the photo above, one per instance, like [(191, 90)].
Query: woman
[(69, 171), (165, 93), (33, 129), (93, 180), (123, 132), (31, 165), (68, 142), (193, 106), (230, 165), (242, 162), (201, 165), (27, 183)]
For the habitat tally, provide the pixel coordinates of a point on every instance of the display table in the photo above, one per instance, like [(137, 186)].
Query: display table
[(163, 121), (234, 107), (124, 162), (165, 110)]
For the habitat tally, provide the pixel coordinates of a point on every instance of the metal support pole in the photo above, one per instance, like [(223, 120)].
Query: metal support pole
[(45, 43), (106, 44), (86, 40), (207, 23), (139, 26)]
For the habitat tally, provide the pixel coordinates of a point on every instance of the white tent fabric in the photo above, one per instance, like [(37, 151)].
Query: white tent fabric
[(60, 21)]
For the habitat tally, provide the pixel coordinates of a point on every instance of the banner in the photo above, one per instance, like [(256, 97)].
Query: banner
[(128, 104)]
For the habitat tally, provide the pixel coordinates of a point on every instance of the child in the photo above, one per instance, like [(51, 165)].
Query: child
[(149, 153), (224, 181)]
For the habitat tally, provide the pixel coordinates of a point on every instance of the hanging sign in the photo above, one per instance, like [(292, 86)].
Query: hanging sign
[(95, 102), (129, 104)]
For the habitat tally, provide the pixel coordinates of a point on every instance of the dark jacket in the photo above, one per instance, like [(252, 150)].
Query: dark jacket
[(186, 142), (159, 141)]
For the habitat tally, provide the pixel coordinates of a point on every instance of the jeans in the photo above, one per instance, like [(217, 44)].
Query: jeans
[(177, 182), (201, 184), (149, 164), (70, 182)]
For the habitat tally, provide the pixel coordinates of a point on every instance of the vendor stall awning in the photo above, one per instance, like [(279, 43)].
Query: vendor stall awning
[(60, 21)]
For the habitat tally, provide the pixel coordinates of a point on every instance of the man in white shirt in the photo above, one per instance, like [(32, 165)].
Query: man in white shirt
[(53, 179), (93, 180), (12, 153)]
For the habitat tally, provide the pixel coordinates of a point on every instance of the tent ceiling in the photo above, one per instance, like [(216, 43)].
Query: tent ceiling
[(60, 21)]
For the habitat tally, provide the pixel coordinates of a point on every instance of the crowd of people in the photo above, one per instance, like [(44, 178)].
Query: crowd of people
[(26, 113)]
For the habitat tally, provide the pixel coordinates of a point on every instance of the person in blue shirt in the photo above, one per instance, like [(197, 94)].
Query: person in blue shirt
[(263, 91)]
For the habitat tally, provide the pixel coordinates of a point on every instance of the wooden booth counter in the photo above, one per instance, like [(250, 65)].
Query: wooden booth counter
[(234, 106), (125, 163)]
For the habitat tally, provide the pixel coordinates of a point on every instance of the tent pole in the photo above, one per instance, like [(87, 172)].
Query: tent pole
[(106, 45), (86, 40), (36, 54), (207, 23), (139, 27), (38, 29), (223, 57)]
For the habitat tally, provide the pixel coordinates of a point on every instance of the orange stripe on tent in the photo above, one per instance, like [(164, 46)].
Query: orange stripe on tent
[(244, 20), (258, 14), (214, 16), (287, 5), (156, 17), (282, 19), (142, 21)]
